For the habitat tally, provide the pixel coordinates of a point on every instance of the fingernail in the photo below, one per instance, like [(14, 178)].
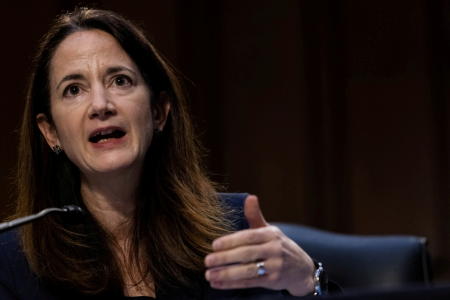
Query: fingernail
[(207, 275), (216, 244), (209, 260), (211, 275)]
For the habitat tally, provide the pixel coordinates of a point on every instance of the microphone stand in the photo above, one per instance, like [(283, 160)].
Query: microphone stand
[(27, 219)]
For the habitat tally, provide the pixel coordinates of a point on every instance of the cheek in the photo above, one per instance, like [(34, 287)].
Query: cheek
[(68, 129), (145, 125), (68, 139), (141, 113)]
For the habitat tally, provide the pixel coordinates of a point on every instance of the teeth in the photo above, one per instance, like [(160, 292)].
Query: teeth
[(102, 141), (108, 131), (104, 132), (104, 135)]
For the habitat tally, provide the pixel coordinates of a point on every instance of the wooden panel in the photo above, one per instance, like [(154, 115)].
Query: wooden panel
[(334, 112)]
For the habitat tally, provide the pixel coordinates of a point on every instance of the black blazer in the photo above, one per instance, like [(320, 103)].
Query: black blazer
[(19, 283)]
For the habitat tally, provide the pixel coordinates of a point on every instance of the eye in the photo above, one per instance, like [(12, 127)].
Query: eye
[(71, 91), (122, 81)]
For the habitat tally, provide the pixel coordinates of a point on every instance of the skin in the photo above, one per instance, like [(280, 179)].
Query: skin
[(288, 266), (95, 84)]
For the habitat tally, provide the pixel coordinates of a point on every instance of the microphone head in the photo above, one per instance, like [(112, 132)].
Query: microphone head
[(75, 214), (73, 209)]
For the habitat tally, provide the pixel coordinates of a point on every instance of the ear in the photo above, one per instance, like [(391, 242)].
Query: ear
[(48, 130), (161, 110)]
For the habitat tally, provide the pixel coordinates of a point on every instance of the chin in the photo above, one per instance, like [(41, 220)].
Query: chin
[(112, 164)]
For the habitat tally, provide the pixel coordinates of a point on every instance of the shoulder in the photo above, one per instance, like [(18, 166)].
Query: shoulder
[(11, 262), (10, 245), (12, 257), (17, 281), (234, 205), (233, 200)]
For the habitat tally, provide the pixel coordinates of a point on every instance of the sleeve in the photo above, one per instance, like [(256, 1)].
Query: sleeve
[(6, 275), (6, 293)]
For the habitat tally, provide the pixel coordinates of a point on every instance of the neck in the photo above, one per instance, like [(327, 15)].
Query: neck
[(111, 199)]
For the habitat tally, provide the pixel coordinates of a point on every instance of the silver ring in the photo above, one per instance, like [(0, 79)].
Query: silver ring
[(260, 269)]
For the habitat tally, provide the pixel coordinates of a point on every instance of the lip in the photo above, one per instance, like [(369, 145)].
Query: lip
[(108, 128), (109, 143)]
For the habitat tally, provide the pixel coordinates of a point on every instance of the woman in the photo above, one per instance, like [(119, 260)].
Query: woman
[(106, 128)]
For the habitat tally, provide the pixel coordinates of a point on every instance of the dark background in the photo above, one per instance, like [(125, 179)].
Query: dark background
[(334, 112)]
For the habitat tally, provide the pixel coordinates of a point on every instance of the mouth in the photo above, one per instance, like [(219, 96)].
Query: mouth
[(102, 135)]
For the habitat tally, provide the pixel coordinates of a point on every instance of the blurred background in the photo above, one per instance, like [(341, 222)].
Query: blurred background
[(335, 113)]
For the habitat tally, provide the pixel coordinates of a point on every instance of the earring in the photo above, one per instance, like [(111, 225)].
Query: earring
[(158, 131), (57, 149)]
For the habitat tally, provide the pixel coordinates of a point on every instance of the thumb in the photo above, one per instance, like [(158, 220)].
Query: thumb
[(253, 213)]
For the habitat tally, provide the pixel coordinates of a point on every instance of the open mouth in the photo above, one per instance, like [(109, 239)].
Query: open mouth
[(100, 136)]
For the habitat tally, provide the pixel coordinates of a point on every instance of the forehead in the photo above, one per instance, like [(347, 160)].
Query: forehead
[(87, 48)]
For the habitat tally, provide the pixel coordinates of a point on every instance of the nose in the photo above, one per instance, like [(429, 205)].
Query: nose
[(101, 106)]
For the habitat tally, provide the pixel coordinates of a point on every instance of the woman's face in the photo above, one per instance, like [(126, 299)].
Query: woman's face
[(100, 105)]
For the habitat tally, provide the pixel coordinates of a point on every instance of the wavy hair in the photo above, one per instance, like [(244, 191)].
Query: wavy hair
[(178, 213)]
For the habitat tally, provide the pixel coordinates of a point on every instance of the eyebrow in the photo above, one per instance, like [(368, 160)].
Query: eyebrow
[(69, 77), (116, 69), (109, 71)]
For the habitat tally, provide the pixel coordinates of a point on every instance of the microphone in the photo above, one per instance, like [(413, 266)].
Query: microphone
[(71, 210)]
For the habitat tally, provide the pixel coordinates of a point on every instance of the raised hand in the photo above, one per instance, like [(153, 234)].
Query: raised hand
[(261, 256)]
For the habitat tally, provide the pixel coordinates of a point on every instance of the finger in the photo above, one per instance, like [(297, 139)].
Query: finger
[(242, 271), (253, 213), (246, 237), (263, 281), (242, 254), (236, 284)]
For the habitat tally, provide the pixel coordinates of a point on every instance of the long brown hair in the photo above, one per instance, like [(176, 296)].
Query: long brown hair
[(178, 213)]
